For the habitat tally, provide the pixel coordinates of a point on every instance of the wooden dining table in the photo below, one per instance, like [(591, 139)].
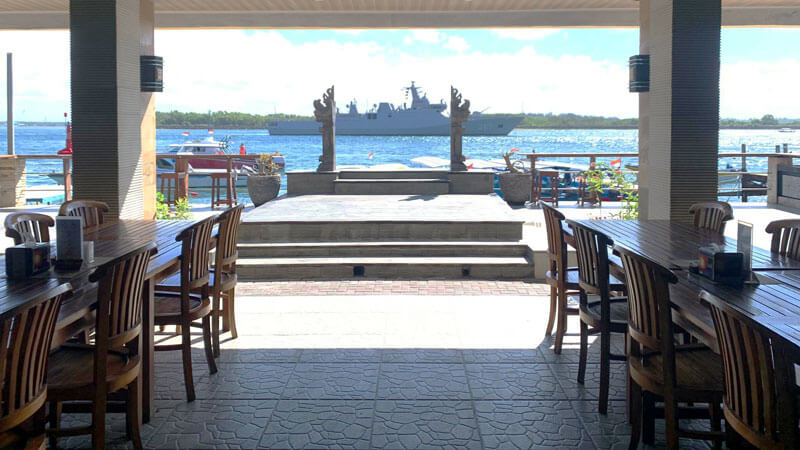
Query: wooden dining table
[(77, 312), (773, 302)]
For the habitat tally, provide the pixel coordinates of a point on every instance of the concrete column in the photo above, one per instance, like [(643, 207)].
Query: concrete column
[(644, 112), (148, 114), (107, 104), (680, 155)]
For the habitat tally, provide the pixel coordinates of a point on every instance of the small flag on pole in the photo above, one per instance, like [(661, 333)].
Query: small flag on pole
[(514, 150), (470, 166), (371, 155), (616, 162), (210, 131), (185, 133)]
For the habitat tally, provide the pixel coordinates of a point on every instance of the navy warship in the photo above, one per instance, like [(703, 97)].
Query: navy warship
[(421, 118)]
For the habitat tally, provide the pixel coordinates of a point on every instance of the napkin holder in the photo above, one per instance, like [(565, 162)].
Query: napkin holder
[(25, 260), (720, 266), (69, 243)]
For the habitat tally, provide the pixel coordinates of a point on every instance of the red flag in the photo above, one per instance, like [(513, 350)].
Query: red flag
[(470, 166), (616, 162), (370, 155), (210, 131), (185, 133), (514, 150)]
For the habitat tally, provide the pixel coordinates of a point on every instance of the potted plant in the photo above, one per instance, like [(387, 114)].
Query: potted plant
[(265, 185), (515, 184)]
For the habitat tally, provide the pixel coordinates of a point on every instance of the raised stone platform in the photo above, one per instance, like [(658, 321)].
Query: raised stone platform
[(388, 182), (383, 236)]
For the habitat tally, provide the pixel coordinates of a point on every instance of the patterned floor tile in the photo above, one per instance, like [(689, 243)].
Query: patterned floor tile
[(332, 381), (169, 382), (214, 424), (421, 355), (319, 424), (246, 381), (502, 356), (340, 355), (530, 424), (513, 382), (567, 376), (424, 424), (423, 381)]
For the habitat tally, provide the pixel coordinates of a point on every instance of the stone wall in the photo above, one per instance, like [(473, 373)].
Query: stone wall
[(12, 181)]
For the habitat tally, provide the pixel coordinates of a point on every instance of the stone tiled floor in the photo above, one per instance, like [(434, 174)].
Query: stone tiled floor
[(399, 371), (393, 287)]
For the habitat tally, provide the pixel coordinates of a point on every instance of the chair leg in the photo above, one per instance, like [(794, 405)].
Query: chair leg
[(671, 423), (132, 417), (648, 418), (231, 312), (605, 369), (99, 422), (636, 416), (715, 413), (561, 323), (186, 351), (553, 309), (215, 306), (583, 352), (55, 422), (212, 365)]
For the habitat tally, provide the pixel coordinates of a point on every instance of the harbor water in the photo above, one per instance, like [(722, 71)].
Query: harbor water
[(302, 152)]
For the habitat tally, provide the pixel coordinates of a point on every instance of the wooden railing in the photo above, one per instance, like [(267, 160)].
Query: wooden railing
[(182, 166)]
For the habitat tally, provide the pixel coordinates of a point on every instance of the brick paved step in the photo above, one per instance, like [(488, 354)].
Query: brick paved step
[(384, 249), (394, 186), (392, 174), (379, 230), (443, 267)]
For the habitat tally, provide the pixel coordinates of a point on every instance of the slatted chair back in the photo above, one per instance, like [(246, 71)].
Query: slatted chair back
[(785, 237), (711, 215), (592, 252), (755, 377), (649, 313), (556, 245), (90, 211), (119, 294), (25, 336), (195, 246), (36, 225), (227, 236)]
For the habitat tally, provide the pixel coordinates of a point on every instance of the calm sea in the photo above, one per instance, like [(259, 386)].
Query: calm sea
[(302, 152)]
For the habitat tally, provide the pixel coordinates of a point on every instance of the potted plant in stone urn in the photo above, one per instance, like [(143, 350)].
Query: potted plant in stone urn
[(265, 185), (515, 184)]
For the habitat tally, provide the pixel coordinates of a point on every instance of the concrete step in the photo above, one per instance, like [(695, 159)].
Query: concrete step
[(381, 249), (371, 231), (386, 186), (444, 267), (392, 174)]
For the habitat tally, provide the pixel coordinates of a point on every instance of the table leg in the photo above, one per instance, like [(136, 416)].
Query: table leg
[(148, 327)]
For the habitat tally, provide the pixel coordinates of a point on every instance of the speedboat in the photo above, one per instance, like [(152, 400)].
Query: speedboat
[(200, 169)]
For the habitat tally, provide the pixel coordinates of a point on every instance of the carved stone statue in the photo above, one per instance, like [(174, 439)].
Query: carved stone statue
[(325, 113), (459, 113)]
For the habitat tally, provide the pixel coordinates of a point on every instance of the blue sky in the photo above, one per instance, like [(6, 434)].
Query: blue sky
[(505, 70)]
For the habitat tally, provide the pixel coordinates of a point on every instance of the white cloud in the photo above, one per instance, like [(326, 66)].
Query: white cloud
[(426, 36), (525, 34), (262, 72)]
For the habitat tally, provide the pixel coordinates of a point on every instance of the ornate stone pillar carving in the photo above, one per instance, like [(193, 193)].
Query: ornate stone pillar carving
[(325, 113), (459, 113)]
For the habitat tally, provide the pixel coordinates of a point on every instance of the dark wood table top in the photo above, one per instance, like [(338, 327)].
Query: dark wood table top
[(775, 302), (110, 240), (674, 245)]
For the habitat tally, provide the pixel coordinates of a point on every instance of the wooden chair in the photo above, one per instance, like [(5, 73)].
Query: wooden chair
[(606, 314), (658, 368), (538, 186), (35, 224), (184, 304), (711, 215), (230, 189), (223, 275), (785, 237), (760, 401), (563, 280), (25, 337), (115, 356), (89, 210), (169, 188)]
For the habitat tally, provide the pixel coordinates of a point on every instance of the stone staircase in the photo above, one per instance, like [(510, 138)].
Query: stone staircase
[(373, 182), (389, 244)]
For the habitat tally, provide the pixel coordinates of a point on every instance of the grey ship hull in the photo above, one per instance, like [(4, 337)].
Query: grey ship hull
[(435, 126)]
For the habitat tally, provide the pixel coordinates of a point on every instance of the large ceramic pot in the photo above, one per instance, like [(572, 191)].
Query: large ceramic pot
[(516, 187), (263, 188)]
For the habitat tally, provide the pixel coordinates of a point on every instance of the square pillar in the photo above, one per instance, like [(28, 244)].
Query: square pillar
[(679, 144), (148, 114), (107, 104)]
